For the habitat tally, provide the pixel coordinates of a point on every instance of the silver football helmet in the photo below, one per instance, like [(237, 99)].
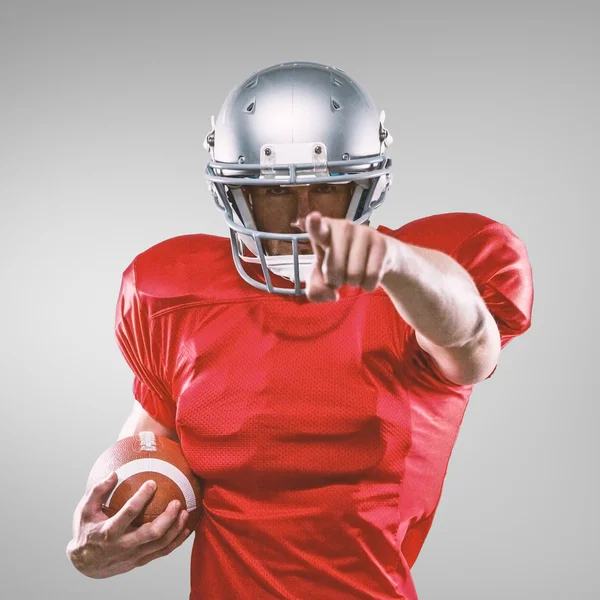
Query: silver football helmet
[(295, 123)]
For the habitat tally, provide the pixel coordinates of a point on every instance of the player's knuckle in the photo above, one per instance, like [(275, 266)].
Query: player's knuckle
[(371, 279), (105, 533), (152, 535), (155, 532), (131, 509), (354, 276), (127, 545)]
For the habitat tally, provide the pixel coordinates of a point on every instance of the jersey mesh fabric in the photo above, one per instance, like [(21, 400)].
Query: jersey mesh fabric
[(321, 432)]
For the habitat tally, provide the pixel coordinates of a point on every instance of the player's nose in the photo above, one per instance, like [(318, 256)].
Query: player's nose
[(303, 202)]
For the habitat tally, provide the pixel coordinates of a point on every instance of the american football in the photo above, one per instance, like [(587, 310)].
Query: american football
[(143, 457)]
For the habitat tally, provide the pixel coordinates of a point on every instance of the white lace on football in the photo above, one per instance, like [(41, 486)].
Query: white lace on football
[(148, 441)]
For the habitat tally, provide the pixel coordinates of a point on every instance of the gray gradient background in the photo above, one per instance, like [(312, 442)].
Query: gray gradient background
[(493, 107)]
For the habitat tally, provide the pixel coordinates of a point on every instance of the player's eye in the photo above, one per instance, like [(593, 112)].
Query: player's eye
[(276, 191), (324, 189)]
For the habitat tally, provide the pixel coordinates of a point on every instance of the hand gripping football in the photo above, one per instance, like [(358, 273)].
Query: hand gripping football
[(142, 457)]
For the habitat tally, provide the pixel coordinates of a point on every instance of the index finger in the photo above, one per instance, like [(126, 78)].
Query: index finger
[(319, 230), (90, 505)]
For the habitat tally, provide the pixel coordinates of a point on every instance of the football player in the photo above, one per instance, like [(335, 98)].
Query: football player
[(314, 369)]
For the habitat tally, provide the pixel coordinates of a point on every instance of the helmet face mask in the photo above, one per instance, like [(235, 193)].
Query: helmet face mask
[(294, 124)]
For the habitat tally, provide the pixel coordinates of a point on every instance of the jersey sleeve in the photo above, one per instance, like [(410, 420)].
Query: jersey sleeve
[(142, 351), (497, 261)]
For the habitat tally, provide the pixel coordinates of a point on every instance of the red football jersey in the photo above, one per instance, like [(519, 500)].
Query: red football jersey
[(322, 432)]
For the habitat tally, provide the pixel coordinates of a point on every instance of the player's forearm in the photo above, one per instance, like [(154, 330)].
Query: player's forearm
[(434, 294)]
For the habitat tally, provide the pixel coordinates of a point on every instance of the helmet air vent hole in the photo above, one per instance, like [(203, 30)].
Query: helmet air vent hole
[(335, 105), (252, 83), (250, 107)]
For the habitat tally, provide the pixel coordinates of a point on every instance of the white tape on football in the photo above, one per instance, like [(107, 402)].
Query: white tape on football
[(155, 465)]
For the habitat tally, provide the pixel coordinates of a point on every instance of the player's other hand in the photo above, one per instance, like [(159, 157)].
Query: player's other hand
[(106, 546)]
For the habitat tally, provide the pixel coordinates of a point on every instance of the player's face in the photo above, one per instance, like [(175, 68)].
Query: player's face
[(275, 207)]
